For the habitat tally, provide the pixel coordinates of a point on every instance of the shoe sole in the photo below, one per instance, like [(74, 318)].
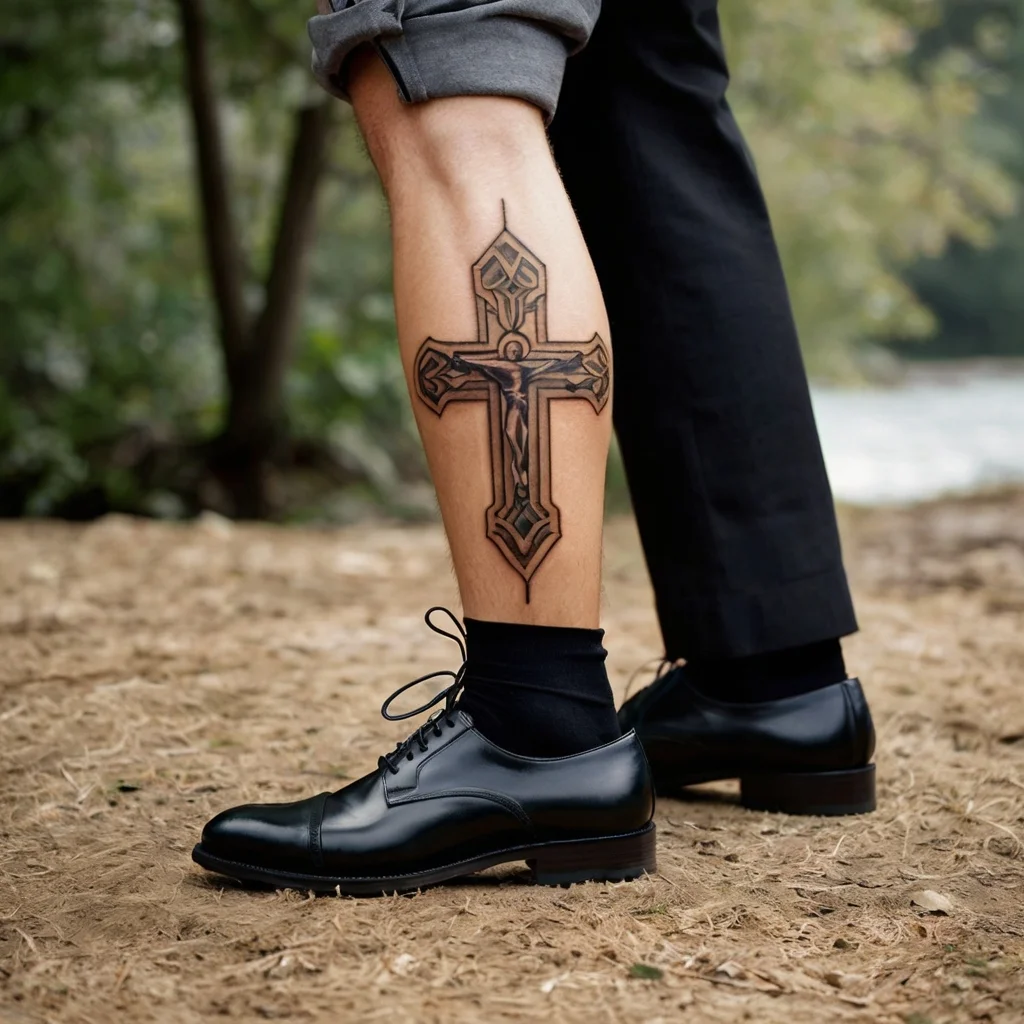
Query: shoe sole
[(830, 794), (606, 859)]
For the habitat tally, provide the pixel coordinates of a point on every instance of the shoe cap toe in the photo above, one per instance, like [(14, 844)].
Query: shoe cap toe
[(263, 835)]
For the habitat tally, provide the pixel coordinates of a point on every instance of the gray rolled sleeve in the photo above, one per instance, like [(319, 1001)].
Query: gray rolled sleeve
[(437, 48)]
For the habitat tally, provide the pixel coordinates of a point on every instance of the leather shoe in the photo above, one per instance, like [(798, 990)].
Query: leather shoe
[(808, 754), (445, 803)]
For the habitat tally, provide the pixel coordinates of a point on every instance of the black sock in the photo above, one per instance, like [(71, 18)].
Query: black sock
[(540, 691), (771, 676)]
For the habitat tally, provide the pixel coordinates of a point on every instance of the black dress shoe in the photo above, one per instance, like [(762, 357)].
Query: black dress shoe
[(445, 803), (808, 754)]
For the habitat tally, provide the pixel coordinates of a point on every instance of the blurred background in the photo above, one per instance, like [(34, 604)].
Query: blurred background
[(195, 307)]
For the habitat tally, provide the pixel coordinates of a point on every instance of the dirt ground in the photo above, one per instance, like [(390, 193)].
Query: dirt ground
[(152, 674)]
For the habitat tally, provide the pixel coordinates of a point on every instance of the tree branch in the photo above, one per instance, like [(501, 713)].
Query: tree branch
[(222, 246), (274, 330)]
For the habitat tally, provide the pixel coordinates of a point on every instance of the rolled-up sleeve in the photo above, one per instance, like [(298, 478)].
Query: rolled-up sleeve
[(437, 48)]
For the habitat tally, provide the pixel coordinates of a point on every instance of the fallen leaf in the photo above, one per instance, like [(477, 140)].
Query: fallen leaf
[(839, 979), (547, 987), (646, 971), (731, 970)]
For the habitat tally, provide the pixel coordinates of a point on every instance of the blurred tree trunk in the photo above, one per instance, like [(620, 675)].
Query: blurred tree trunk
[(255, 346)]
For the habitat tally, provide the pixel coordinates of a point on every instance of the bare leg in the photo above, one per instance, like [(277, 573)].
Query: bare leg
[(448, 166)]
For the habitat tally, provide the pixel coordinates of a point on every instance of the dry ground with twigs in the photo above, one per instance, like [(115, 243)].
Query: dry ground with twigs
[(151, 674)]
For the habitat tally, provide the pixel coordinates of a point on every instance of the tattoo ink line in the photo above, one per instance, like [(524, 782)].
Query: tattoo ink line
[(518, 372)]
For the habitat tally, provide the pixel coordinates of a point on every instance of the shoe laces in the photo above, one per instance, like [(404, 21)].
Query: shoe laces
[(664, 665), (450, 694)]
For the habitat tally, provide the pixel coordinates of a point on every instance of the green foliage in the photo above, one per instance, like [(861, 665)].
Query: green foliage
[(102, 320), (866, 163), (108, 334), (976, 293), (646, 972), (861, 114)]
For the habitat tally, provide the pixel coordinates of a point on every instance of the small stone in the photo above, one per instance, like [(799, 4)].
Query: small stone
[(932, 902), (41, 572), (215, 525), (403, 964)]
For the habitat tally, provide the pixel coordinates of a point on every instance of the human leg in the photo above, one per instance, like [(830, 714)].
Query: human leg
[(524, 760), (514, 421), (470, 180)]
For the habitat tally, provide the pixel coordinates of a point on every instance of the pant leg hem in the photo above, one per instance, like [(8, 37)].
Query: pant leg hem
[(739, 624)]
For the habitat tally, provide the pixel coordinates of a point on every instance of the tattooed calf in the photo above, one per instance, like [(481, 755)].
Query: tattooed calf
[(518, 372)]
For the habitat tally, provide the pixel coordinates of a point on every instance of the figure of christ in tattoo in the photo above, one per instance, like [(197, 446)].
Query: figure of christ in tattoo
[(518, 372), (514, 380)]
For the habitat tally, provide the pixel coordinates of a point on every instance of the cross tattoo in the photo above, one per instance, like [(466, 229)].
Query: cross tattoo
[(515, 369)]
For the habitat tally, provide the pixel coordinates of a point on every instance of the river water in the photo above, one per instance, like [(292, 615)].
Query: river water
[(945, 430)]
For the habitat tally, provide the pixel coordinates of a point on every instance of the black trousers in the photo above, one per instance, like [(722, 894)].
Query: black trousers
[(711, 402)]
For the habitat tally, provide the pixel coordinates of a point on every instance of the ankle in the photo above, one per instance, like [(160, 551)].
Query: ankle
[(539, 691)]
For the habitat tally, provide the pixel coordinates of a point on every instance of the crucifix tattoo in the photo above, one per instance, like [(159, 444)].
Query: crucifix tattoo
[(515, 369)]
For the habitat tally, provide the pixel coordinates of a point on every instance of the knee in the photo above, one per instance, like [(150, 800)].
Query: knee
[(443, 143)]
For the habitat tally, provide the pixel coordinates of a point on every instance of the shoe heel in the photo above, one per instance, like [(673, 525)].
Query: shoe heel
[(615, 859), (829, 793)]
